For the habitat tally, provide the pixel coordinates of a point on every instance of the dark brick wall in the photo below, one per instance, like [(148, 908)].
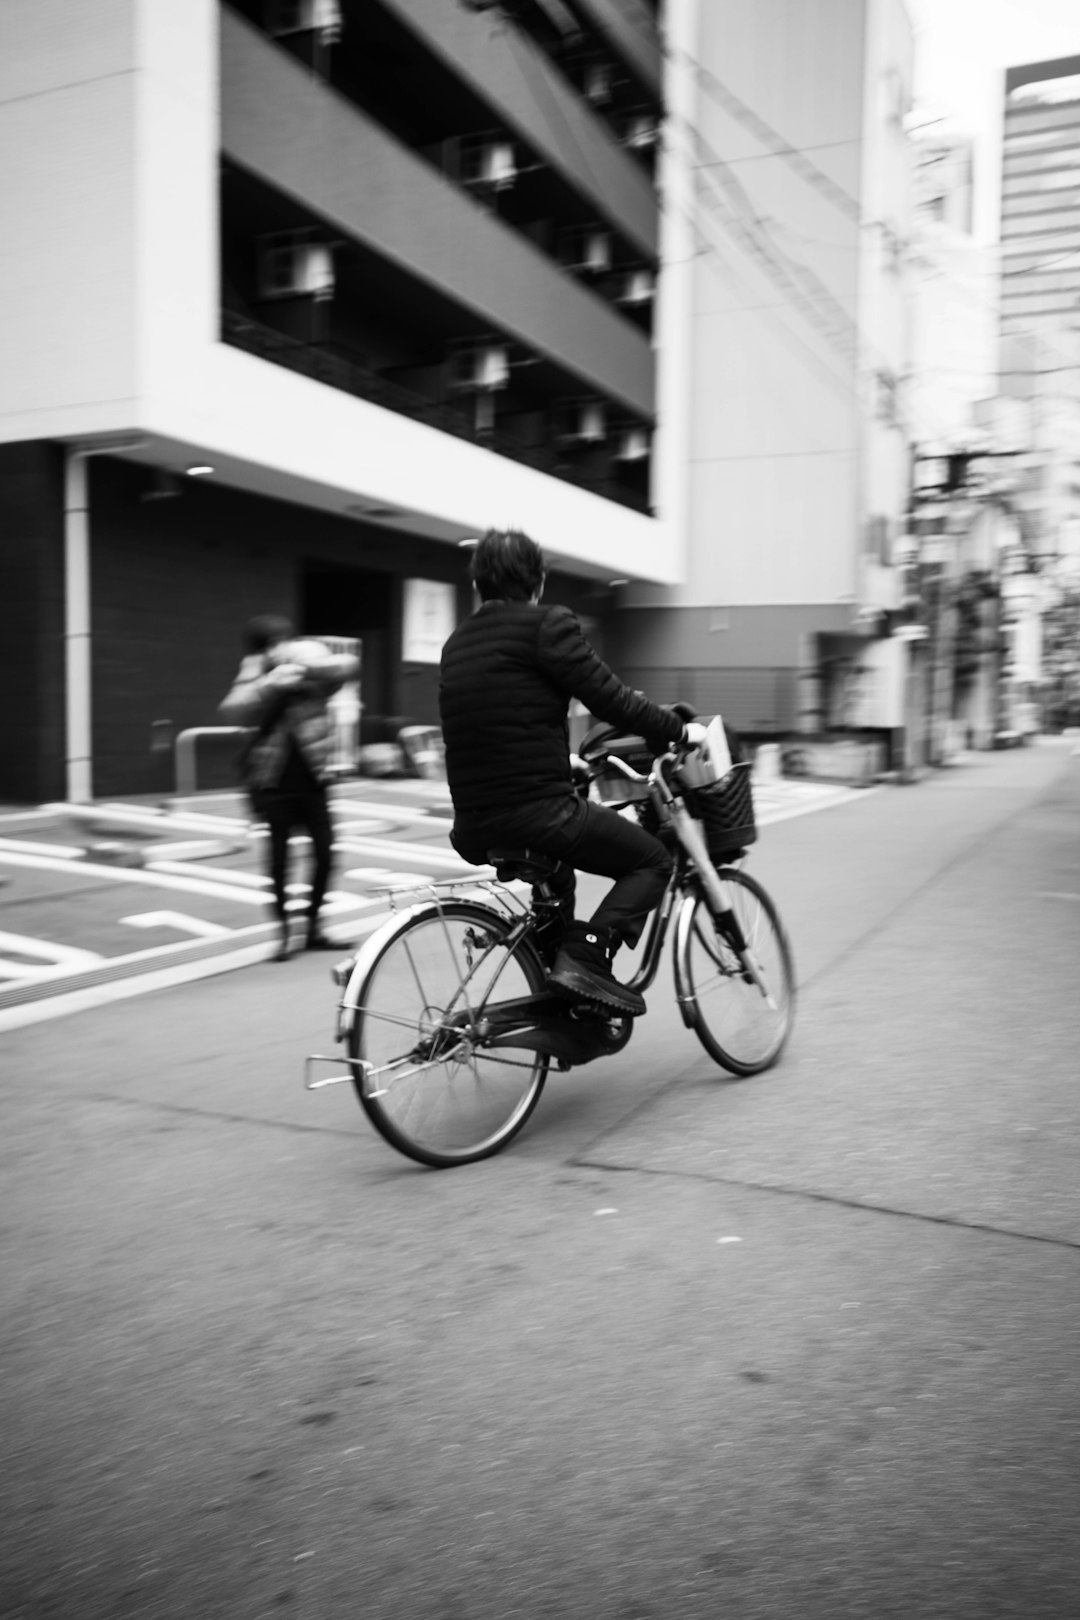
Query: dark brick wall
[(32, 749), (173, 581)]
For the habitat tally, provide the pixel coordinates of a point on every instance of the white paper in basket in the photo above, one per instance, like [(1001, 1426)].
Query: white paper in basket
[(716, 747)]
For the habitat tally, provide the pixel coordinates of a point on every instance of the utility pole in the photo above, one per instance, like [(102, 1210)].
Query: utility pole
[(949, 490)]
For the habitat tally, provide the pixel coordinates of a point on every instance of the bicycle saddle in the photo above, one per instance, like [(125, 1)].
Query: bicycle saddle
[(522, 865)]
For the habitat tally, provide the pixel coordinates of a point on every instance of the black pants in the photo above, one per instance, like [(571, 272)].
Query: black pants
[(583, 835), (308, 811)]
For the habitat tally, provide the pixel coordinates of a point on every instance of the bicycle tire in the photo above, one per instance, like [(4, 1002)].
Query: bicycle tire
[(433, 1095), (725, 1008)]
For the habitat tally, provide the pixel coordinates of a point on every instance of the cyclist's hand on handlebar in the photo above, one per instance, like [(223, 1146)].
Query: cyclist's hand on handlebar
[(685, 711)]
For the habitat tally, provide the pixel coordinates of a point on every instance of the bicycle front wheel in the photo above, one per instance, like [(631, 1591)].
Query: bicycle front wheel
[(429, 1087), (742, 1027)]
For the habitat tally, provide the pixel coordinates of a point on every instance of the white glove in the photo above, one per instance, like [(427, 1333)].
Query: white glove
[(694, 733)]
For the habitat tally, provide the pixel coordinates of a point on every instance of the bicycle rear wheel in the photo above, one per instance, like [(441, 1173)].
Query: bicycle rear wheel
[(431, 1090), (740, 1027)]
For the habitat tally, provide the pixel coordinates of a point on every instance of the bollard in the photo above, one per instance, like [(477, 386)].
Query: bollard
[(184, 754)]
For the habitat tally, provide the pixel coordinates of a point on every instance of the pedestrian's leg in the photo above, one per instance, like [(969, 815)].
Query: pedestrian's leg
[(316, 817), (278, 824)]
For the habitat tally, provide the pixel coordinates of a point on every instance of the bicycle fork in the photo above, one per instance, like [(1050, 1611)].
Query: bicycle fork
[(693, 841)]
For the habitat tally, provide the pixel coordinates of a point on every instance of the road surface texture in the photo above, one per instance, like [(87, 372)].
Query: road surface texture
[(800, 1346)]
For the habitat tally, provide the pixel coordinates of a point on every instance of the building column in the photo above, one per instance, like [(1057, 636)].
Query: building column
[(77, 704)]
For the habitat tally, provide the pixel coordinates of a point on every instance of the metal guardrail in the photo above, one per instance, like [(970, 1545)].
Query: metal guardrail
[(184, 753)]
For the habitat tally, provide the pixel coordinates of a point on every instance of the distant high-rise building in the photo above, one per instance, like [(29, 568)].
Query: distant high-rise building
[(1040, 196)]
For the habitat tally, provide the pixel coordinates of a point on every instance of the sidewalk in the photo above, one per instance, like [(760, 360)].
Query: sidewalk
[(121, 897)]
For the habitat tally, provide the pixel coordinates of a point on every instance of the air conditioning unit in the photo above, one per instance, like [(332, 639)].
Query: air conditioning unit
[(480, 367), (599, 83), (638, 288), (291, 265), (641, 132), (588, 251), (632, 445), (284, 17), (584, 421), (488, 163)]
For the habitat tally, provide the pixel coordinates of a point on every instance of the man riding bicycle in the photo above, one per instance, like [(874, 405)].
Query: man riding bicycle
[(507, 677)]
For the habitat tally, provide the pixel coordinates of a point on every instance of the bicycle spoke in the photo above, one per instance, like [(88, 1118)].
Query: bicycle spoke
[(447, 1100), (741, 1003)]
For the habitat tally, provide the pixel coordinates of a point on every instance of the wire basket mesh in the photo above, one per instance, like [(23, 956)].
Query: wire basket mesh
[(726, 812)]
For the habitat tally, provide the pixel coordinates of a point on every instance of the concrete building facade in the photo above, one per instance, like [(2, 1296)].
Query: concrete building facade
[(297, 296), (797, 455), (1040, 195)]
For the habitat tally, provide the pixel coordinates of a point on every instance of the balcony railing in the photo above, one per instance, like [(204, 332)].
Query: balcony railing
[(324, 364)]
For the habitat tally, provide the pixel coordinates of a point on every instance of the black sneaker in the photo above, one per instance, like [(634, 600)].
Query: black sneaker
[(583, 969)]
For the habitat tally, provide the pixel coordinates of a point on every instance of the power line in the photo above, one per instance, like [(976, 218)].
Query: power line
[(794, 156)]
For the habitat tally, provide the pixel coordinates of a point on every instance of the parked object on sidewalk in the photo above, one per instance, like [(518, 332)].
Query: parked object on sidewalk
[(283, 691)]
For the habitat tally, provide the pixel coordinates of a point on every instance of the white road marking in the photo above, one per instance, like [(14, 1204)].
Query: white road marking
[(29, 815), (245, 880), (144, 818), (47, 957), (178, 920), (384, 878), (23, 846), (141, 984), (131, 874), (422, 854), (196, 849)]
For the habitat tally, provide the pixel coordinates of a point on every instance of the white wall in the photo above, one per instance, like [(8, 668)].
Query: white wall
[(67, 269), (773, 446)]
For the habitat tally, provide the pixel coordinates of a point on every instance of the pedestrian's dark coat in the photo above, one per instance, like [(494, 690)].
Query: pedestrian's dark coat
[(279, 714)]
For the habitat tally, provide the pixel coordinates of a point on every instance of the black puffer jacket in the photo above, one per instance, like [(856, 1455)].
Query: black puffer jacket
[(507, 677)]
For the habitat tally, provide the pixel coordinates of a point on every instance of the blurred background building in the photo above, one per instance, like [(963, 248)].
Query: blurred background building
[(797, 461), (1040, 195)]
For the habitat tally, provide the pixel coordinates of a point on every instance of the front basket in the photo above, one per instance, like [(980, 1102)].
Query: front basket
[(726, 812)]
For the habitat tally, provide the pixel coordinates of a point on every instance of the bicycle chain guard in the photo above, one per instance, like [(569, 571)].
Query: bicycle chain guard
[(572, 1032)]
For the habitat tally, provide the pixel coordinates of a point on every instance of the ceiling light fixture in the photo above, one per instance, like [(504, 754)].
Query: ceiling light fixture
[(376, 513), (199, 470)]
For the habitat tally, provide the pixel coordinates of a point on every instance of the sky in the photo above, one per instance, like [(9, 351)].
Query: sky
[(962, 48)]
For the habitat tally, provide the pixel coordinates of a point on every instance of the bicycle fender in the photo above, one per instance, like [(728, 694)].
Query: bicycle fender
[(681, 955)]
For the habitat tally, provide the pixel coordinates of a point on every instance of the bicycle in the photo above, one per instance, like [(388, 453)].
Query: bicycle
[(440, 1000)]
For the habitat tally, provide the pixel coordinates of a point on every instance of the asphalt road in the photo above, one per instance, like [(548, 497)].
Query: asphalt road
[(799, 1346)]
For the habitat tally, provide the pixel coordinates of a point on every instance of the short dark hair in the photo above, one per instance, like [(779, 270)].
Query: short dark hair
[(506, 564), (265, 631)]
